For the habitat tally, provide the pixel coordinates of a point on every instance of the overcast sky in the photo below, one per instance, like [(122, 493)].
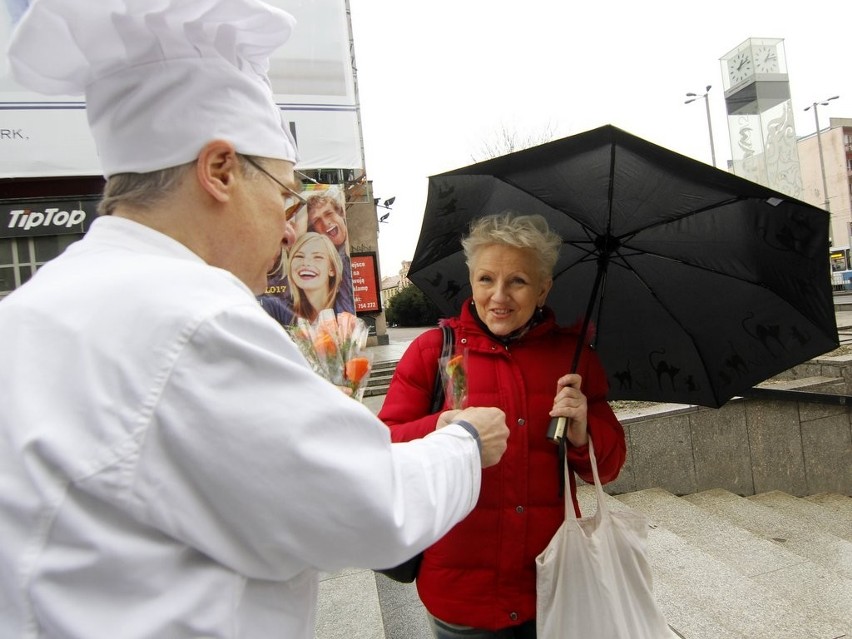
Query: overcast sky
[(438, 79)]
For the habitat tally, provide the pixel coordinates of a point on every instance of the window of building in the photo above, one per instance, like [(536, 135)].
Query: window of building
[(847, 140), (21, 257)]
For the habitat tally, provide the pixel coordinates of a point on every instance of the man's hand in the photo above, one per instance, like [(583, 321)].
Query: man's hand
[(490, 423), (446, 418)]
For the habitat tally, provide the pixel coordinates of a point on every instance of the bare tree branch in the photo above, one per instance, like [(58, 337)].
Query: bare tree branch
[(508, 140)]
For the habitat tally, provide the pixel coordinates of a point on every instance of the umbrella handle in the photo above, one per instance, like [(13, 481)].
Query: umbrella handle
[(557, 426), (556, 429)]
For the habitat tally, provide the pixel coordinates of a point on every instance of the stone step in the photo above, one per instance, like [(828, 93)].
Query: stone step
[(835, 501), (831, 521), (381, 374), (376, 391), (385, 366), (380, 377), (746, 552), (802, 378), (802, 538), (703, 597), (771, 565)]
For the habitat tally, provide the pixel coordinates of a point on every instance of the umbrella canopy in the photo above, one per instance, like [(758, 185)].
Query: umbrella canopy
[(697, 284)]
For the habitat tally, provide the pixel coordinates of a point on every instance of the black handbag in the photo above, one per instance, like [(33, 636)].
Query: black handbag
[(406, 572)]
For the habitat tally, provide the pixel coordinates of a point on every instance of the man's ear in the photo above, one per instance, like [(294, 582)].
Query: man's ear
[(216, 169)]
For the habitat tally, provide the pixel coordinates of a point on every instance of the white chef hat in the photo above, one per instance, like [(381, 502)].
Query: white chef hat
[(161, 77)]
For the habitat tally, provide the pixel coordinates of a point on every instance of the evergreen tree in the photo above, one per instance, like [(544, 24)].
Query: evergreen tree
[(410, 307)]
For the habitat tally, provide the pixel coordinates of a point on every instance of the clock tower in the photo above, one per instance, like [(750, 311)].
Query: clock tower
[(760, 115)]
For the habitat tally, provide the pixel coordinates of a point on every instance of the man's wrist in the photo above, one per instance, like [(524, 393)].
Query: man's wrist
[(472, 430)]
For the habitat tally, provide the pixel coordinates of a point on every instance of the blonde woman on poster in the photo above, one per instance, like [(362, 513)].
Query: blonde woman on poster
[(324, 214), (327, 215), (314, 272)]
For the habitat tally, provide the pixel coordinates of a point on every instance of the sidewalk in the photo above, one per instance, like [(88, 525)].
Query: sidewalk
[(394, 349)]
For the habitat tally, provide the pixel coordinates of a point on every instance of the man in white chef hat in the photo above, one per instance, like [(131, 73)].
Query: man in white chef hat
[(169, 466)]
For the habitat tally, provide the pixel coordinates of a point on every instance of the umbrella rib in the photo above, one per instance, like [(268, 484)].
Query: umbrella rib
[(681, 216), (623, 261), (590, 251)]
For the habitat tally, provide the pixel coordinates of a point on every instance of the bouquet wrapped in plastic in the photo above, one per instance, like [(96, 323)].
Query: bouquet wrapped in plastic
[(336, 348), (454, 375)]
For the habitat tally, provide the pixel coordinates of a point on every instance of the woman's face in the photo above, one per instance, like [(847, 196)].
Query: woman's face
[(310, 266), (507, 286)]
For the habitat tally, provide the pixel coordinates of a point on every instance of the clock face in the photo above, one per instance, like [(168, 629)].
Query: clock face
[(766, 60), (740, 67)]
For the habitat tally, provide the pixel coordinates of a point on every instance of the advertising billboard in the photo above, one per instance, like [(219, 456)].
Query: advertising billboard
[(311, 76), (315, 272), (365, 283)]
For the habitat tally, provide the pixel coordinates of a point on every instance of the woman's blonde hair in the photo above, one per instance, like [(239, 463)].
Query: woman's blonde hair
[(301, 306), (520, 231)]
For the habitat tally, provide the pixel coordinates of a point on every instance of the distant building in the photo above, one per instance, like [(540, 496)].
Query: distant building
[(393, 284), (836, 143)]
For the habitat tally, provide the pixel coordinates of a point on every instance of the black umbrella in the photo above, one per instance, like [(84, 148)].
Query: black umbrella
[(694, 284)]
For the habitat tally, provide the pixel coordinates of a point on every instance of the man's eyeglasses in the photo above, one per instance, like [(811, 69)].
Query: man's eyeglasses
[(294, 201)]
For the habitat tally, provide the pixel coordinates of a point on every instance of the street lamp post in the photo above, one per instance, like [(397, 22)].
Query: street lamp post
[(692, 98), (815, 107)]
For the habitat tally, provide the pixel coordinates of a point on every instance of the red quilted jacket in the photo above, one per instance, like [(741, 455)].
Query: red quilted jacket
[(482, 573)]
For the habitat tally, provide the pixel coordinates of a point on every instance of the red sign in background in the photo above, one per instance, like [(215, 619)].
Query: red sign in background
[(365, 283)]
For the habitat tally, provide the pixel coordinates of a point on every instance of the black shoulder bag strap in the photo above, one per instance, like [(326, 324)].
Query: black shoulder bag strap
[(446, 351)]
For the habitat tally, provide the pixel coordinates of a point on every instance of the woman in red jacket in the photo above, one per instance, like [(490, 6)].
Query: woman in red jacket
[(479, 580)]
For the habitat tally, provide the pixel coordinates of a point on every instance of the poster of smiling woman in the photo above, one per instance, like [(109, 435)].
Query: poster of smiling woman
[(315, 271)]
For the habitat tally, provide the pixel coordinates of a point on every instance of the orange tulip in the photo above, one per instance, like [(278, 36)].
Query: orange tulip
[(324, 345), (357, 368), (346, 323), (455, 363)]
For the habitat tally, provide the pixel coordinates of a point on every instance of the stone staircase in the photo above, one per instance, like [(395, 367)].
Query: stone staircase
[(769, 566), (766, 566), (380, 377)]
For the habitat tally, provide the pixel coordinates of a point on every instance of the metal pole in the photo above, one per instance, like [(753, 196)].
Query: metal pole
[(692, 98), (710, 127), (821, 161)]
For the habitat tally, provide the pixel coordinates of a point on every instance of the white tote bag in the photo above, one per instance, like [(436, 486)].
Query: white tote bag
[(593, 580)]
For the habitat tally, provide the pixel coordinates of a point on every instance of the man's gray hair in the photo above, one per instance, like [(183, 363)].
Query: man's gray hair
[(146, 190)]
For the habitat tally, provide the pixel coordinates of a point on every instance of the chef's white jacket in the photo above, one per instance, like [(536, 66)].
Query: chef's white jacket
[(169, 466)]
